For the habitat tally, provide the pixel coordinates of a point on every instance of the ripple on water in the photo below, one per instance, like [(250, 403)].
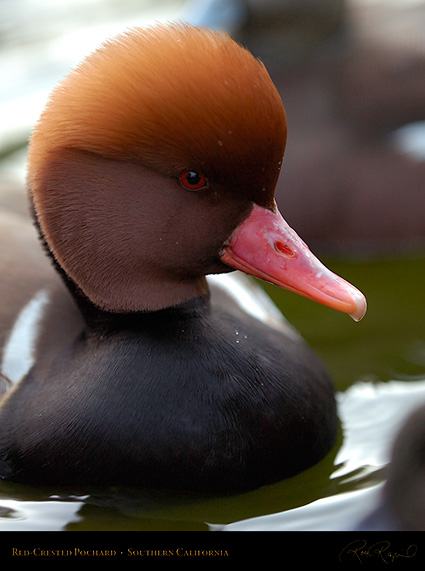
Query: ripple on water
[(51, 515)]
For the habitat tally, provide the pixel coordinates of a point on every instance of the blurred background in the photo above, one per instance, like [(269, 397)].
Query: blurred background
[(351, 74)]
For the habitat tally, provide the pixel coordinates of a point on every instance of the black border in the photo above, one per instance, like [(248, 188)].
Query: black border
[(338, 550)]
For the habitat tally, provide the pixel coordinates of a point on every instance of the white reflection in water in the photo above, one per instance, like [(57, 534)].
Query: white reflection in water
[(371, 415), (51, 515), (336, 513)]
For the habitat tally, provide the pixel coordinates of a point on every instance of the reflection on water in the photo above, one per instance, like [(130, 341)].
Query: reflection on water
[(335, 513), (51, 515), (371, 416)]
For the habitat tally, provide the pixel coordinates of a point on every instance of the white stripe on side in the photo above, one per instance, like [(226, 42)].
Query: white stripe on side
[(18, 353)]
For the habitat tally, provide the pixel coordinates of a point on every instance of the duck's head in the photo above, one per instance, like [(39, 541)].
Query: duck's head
[(155, 163)]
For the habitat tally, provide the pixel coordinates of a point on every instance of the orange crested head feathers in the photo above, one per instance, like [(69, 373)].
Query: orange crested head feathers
[(170, 97)]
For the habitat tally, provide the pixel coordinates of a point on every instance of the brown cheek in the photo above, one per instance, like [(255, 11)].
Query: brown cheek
[(90, 218), (207, 219)]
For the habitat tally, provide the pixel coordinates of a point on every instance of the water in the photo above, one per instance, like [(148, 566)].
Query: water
[(378, 366)]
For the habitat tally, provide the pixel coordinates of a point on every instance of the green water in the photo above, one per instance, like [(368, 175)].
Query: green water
[(388, 344)]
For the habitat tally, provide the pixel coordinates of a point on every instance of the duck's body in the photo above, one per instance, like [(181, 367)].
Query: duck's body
[(161, 399), (197, 396), (136, 371)]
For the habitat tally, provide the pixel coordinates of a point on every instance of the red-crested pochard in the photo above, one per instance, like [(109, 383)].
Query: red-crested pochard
[(154, 165)]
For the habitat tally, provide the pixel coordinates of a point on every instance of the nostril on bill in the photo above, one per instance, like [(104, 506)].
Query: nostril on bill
[(284, 249)]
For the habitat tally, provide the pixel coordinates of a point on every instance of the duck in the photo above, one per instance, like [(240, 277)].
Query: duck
[(138, 347)]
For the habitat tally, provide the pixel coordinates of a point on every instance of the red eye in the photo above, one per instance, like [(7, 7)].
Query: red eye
[(193, 180)]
